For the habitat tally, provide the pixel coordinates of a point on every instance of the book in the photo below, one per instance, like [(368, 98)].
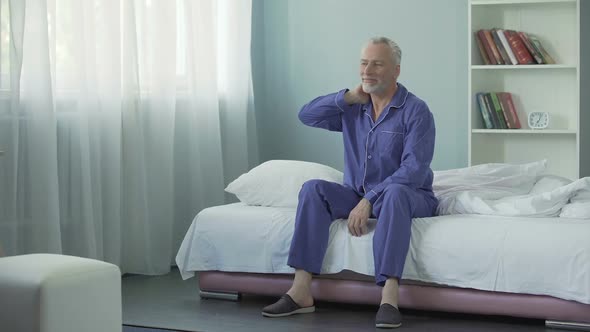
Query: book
[(495, 52), (536, 54), (522, 54), (482, 51), (536, 43), (486, 46), (509, 111), (493, 115), (483, 110), (504, 41), (506, 98), (500, 46), (498, 109)]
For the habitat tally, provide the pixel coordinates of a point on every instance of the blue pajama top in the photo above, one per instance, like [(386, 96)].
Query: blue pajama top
[(398, 148)]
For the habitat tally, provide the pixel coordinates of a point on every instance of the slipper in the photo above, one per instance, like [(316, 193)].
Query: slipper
[(388, 317), (285, 306)]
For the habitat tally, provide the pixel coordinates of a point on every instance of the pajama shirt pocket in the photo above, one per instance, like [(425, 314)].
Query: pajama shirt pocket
[(388, 141)]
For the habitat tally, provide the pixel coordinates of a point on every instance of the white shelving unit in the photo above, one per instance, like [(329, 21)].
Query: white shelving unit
[(559, 89)]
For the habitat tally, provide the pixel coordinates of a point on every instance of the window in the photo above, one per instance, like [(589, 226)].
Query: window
[(4, 46)]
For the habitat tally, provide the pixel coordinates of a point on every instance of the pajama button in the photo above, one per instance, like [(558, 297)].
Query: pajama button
[(369, 156)]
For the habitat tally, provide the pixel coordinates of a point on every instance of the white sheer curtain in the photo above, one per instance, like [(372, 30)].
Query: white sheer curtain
[(120, 121)]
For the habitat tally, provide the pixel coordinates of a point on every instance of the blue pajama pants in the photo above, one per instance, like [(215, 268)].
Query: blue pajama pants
[(321, 202)]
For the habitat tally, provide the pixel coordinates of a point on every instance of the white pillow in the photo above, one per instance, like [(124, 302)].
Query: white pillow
[(579, 206), (546, 183), (277, 182), (578, 210)]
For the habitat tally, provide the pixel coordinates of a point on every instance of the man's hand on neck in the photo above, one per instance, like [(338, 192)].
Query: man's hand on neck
[(356, 96)]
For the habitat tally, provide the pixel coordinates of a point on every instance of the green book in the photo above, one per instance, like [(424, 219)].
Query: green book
[(498, 108), (490, 107), (484, 112)]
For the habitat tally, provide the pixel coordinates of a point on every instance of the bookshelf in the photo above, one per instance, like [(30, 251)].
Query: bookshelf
[(560, 89)]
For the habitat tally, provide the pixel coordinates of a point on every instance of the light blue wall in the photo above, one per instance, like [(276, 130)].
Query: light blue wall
[(305, 48)]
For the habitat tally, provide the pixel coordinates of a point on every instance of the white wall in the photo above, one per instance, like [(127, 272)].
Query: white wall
[(304, 48)]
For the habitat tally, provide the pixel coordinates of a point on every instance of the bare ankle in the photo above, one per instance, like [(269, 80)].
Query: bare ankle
[(393, 303), (301, 296)]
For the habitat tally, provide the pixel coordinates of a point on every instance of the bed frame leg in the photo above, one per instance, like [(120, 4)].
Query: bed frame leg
[(220, 295), (567, 325)]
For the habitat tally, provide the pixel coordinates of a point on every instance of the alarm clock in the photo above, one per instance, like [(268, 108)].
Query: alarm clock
[(538, 120)]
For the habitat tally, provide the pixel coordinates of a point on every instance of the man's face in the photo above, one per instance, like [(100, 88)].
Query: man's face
[(377, 70)]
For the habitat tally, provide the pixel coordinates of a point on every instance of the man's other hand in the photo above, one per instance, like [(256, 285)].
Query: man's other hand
[(356, 96), (359, 217)]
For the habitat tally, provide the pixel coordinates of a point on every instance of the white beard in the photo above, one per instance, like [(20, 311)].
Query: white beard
[(372, 88)]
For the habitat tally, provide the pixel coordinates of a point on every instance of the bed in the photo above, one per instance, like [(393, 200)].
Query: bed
[(523, 265)]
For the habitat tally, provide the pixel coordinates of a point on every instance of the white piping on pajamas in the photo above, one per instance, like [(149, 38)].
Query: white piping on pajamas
[(367, 141), (336, 101), (366, 151)]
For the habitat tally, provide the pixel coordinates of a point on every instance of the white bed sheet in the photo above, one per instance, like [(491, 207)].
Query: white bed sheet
[(547, 256)]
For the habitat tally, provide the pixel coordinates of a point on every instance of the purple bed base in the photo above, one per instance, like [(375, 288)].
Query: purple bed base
[(556, 312)]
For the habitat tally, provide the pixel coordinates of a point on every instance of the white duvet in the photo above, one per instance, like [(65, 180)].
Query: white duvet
[(547, 256), (511, 190)]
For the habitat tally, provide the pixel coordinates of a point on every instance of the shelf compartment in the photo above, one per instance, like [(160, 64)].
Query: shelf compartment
[(532, 90), (517, 2), (525, 131), (523, 67), (559, 150), (553, 22)]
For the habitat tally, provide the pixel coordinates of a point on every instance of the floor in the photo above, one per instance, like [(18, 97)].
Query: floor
[(127, 328), (169, 303)]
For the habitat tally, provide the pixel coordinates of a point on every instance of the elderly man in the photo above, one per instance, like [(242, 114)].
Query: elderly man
[(388, 136)]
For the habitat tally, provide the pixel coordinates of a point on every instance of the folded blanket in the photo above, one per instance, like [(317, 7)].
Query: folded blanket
[(511, 190)]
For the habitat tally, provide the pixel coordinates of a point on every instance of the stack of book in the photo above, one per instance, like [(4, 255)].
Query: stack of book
[(509, 47), (497, 110)]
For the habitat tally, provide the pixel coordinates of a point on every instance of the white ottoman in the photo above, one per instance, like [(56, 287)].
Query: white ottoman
[(58, 293)]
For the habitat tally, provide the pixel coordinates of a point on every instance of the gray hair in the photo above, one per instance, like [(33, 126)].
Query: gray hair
[(396, 51)]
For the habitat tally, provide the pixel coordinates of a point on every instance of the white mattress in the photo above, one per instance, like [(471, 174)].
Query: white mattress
[(548, 256)]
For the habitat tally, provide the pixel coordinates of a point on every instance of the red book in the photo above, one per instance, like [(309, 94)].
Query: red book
[(538, 57), (481, 36), (518, 48), (507, 47), (482, 51), (509, 109), (496, 53)]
